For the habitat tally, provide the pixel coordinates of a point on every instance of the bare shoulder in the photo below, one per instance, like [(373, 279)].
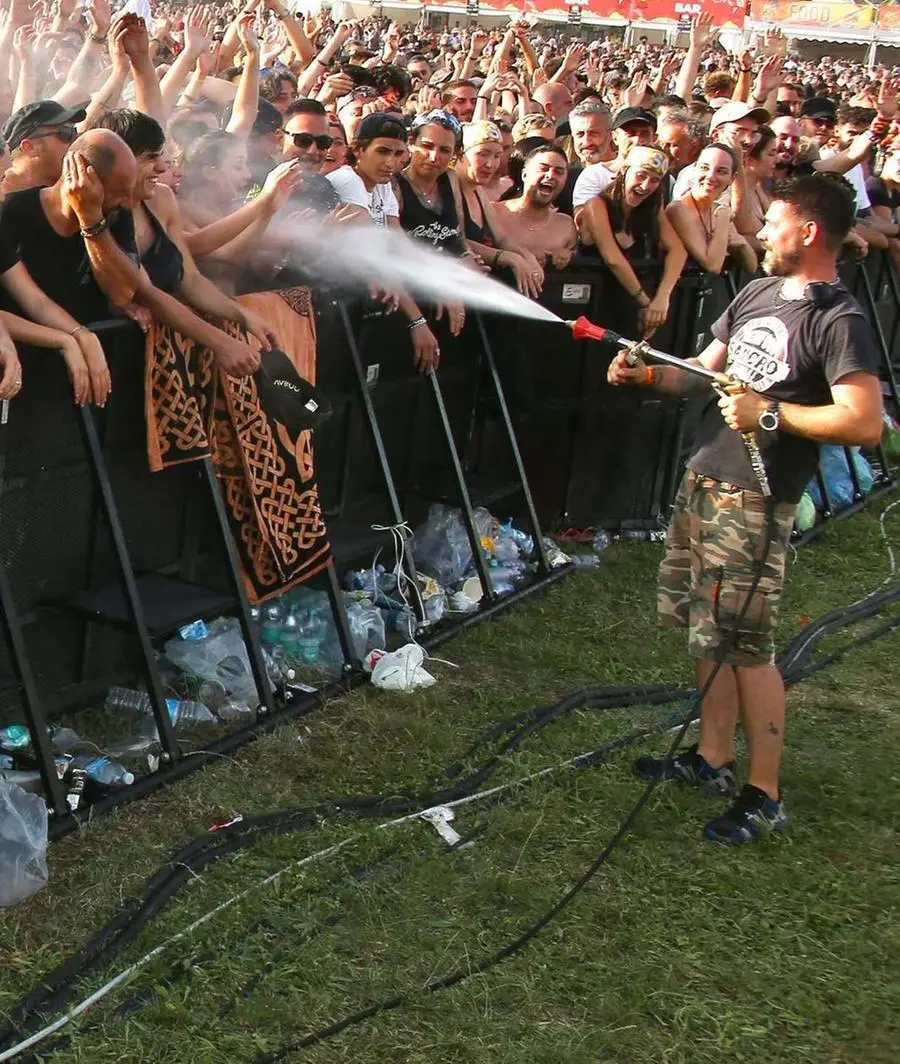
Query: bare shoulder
[(164, 204)]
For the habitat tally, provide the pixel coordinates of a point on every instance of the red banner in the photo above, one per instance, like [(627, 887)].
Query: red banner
[(724, 12)]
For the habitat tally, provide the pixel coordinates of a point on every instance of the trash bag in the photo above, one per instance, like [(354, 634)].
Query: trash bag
[(221, 655), (23, 843), (805, 517), (835, 470), (441, 546), (402, 670)]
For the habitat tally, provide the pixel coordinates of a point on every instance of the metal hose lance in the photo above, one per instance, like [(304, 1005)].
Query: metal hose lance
[(721, 383)]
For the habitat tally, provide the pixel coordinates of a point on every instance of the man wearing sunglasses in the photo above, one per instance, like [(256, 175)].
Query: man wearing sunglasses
[(306, 140), (38, 136)]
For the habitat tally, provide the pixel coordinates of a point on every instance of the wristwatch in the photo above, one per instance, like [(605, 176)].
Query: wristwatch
[(770, 418)]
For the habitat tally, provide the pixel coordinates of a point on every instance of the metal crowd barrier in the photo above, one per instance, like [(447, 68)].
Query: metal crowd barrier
[(100, 560)]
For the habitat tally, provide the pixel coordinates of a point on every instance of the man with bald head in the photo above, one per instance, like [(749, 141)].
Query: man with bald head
[(556, 100), (73, 235)]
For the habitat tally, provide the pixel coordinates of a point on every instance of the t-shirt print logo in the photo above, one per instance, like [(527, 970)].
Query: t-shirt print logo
[(758, 353)]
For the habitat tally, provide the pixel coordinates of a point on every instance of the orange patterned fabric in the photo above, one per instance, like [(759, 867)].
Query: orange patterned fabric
[(268, 479)]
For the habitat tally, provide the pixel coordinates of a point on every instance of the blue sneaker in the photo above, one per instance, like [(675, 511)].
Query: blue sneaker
[(753, 816), (692, 770)]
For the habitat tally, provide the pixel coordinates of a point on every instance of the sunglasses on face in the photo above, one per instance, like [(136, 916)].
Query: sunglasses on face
[(304, 141), (65, 133)]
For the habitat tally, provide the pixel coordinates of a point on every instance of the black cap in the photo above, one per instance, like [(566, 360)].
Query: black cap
[(626, 115), (819, 107), (29, 119), (286, 397), (268, 118), (382, 124)]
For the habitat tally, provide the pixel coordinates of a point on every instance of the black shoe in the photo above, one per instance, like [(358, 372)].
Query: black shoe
[(691, 769), (753, 816)]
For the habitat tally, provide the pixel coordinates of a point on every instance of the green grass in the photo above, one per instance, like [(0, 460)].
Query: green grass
[(678, 951)]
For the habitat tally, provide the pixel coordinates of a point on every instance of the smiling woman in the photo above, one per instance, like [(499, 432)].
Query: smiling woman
[(702, 218)]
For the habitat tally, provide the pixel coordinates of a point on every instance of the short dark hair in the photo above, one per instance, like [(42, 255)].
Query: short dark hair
[(826, 199), (729, 151), (670, 100), (143, 134), (388, 77), (305, 106), (542, 149)]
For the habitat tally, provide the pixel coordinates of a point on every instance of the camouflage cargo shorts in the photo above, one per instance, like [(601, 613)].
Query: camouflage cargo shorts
[(713, 545)]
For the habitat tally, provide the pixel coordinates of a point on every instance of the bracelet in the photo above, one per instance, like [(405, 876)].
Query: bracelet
[(78, 329), (649, 377), (497, 255), (321, 62), (98, 40), (416, 322), (94, 229)]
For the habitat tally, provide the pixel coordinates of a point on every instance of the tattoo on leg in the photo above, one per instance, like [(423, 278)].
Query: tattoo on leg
[(773, 730)]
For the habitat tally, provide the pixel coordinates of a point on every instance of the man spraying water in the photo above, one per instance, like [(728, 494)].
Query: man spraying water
[(804, 351)]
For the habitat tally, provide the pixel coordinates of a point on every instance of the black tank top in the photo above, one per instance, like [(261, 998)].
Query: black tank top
[(440, 228), (162, 260), (481, 234)]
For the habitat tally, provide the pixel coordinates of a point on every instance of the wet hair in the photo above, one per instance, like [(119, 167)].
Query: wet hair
[(826, 199), (305, 106), (590, 105), (766, 136), (210, 150), (388, 77), (452, 86), (270, 84), (143, 134)]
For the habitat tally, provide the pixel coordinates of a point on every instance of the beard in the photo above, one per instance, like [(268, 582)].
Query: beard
[(781, 264)]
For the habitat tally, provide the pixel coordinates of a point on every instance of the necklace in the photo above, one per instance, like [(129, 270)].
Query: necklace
[(706, 228), (431, 199)]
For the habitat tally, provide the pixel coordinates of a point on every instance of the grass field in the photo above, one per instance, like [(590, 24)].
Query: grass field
[(678, 951)]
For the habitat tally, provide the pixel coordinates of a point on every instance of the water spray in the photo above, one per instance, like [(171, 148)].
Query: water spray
[(640, 351)]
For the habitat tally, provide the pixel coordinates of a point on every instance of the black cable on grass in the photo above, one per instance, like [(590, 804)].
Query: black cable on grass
[(53, 992)]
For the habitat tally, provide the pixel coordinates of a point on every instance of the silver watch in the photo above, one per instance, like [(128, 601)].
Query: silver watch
[(770, 418)]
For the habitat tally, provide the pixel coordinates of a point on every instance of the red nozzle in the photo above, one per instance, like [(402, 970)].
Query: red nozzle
[(582, 329)]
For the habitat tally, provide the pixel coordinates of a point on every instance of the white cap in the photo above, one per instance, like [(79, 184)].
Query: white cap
[(736, 111)]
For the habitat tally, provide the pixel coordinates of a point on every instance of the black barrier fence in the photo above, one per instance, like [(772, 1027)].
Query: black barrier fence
[(101, 561)]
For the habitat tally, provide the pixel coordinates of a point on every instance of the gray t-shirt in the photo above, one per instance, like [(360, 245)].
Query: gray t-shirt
[(792, 350)]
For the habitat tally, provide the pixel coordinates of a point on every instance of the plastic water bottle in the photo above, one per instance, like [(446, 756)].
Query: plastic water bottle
[(291, 636), (105, 771), (314, 631), (119, 699), (272, 622)]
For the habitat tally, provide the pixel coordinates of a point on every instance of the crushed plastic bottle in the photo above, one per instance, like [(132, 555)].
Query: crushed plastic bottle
[(103, 770), (15, 737), (601, 542), (585, 561)]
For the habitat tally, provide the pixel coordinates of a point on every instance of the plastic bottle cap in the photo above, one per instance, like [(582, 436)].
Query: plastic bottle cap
[(128, 778)]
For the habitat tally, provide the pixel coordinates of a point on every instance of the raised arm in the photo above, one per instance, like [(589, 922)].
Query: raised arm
[(23, 45), (294, 31), (701, 28), (147, 95), (197, 29), (81, 73), (246, 100), (307, 80), (107, 96)]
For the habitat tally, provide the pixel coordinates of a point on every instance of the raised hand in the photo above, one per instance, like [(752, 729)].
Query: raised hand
[(99, 17), (247, 35), (197, 31), (23, 44), (769, 77), (887, 99), (701, 30)]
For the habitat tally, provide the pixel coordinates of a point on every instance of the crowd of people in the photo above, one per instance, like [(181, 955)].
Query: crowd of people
[(149, 170)]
